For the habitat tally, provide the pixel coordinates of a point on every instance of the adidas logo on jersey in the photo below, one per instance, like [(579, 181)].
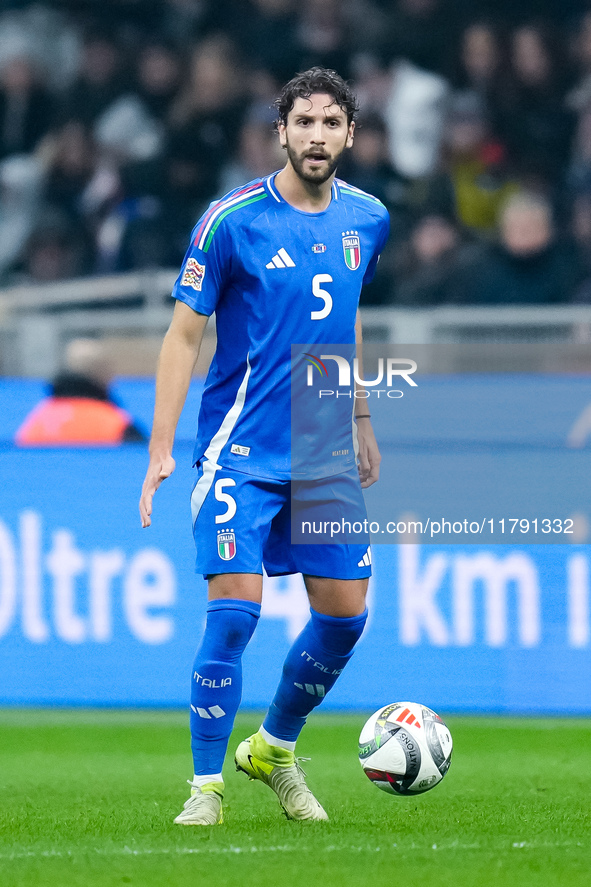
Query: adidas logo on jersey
[(365, 560), (281, 260)]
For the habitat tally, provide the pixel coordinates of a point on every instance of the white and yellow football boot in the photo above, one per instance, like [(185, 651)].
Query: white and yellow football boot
[(279, 769), (204, 807)]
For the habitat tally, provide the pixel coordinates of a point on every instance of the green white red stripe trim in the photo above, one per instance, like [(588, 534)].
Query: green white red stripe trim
[(224, 208), (345, 187)]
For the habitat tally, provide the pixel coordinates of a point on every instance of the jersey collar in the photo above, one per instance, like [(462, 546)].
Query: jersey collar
[(269, 183)]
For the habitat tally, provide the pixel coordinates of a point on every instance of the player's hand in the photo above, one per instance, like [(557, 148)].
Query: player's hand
[(368, 460), (159, 469)]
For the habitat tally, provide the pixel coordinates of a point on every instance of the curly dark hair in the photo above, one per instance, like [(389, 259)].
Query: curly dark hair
[(316, 80)]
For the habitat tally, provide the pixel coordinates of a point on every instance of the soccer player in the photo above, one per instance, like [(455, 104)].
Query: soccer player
[(281, 260)]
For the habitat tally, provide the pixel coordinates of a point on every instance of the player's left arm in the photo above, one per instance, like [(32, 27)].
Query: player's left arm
[(368, 460)]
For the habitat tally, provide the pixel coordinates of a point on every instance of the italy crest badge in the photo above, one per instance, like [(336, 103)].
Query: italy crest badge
[(226, 544), (352, 249)]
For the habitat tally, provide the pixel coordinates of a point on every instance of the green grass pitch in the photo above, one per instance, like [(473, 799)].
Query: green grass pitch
[(88, 798)]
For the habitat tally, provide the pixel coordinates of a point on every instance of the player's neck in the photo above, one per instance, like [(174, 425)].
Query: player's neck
[(305, 196)]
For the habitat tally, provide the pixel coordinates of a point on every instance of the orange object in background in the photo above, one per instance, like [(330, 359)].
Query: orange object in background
[(79, 411), (74, 421)]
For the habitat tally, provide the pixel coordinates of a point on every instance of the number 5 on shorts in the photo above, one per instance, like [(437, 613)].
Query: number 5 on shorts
[(228, 500)]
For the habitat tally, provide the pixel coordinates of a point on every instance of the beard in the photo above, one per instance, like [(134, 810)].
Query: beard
[(314, 176)]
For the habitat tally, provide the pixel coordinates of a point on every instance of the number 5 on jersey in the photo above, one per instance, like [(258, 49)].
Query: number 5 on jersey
[(321, 294), (228, 500)]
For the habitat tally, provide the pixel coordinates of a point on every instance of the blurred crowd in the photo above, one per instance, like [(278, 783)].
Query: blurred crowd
[(120, 120)]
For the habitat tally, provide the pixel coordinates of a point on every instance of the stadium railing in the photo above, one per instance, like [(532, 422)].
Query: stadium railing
[(36, 321)]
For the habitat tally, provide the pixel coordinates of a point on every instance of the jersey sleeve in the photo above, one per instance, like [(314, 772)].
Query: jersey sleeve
[(204, 272), (383, 232)]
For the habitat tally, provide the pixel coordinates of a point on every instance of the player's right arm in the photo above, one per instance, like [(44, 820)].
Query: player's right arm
[(178, 356)]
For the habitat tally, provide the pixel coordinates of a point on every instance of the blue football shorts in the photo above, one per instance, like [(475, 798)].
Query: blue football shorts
[(242, 523)]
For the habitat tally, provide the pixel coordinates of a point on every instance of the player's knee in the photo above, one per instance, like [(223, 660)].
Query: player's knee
[(230, 625), (338, 634)]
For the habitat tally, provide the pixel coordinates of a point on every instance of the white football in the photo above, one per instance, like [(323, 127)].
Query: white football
[(405, 748)]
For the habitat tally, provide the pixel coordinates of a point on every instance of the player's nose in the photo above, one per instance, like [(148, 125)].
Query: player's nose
[(318, 134)]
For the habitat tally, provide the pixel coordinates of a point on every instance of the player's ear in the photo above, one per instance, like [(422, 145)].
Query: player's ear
[(282, 134), (349, 141)]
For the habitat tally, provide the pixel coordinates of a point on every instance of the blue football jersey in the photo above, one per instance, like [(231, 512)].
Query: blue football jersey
[(275, 276)]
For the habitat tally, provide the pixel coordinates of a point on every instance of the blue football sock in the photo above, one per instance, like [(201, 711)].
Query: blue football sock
[(216, 680), (316, 659)]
